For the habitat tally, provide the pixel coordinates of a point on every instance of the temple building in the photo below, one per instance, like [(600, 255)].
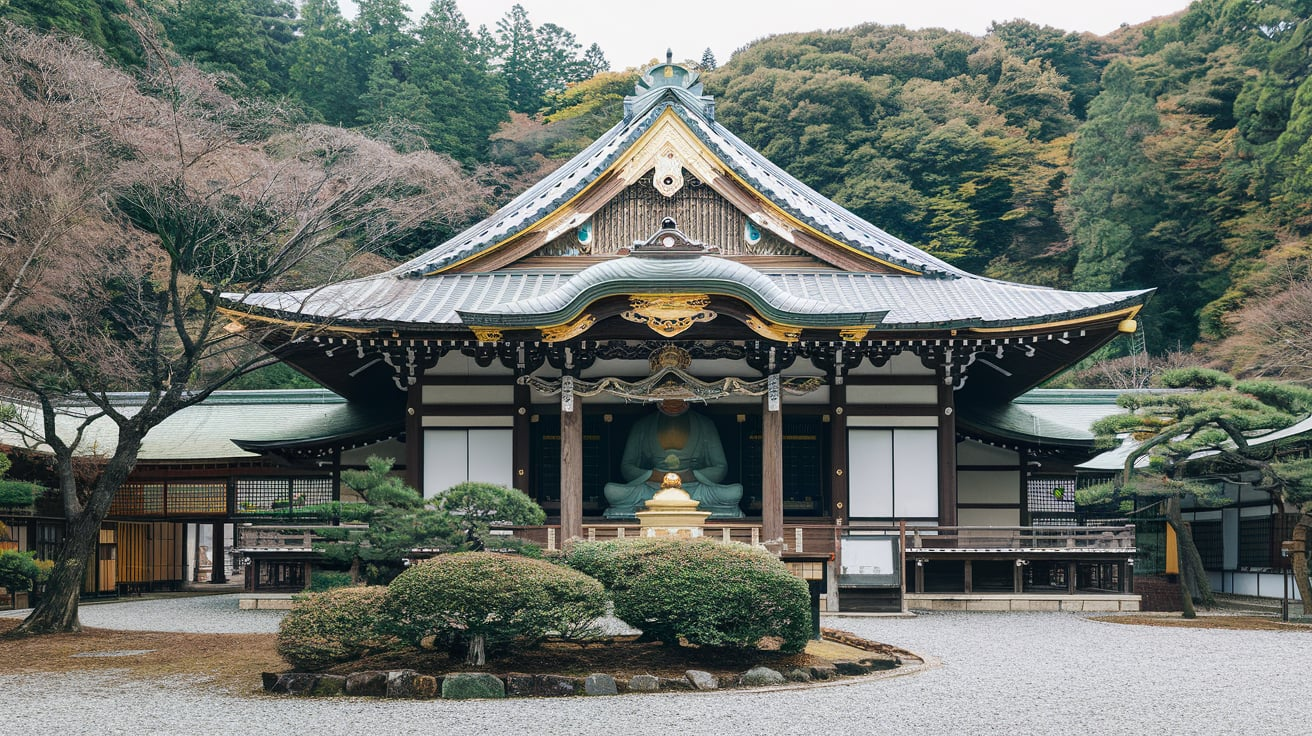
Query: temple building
[(829, 374), (670, 301)]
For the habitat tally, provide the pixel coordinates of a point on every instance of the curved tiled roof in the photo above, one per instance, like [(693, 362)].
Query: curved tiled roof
[(421, 294), (911, 301)]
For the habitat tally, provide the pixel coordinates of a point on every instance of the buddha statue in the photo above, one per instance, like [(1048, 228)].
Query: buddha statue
[(674, 440)]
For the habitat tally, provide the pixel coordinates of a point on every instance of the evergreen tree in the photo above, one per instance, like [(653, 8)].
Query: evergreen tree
[(249, 39), (595, 60), (708, 60), (321, 74), (100, 22), (535, 61)]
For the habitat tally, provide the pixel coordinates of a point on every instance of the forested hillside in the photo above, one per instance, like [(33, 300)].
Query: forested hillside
[(1176, 154)]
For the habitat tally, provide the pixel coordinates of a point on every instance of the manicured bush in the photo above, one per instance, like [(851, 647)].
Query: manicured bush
[(700, 591), (339, 625), (481, 601), (17, 494)]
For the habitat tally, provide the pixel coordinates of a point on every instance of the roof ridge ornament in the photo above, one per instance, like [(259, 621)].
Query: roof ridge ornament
[(669, 242)]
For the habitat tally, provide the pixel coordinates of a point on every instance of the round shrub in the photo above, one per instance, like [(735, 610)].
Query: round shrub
[(483, 600), (703, 592), (339, 625)]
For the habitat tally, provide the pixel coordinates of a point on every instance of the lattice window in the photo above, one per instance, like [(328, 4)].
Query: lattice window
[(1255, 542), (1051, 496), (271, 496), (199, 497), (138, 499)]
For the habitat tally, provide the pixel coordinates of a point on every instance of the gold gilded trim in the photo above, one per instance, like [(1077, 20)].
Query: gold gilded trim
[(781, 333), (659, 136), (1130, 313), (487, 334), (242, 318), (559, 333), (669, 314), (854, 334)]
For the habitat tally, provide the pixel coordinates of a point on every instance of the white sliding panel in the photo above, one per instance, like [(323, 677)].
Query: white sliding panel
[(870, 464), (491, 456), (446, 459), (915, 473)]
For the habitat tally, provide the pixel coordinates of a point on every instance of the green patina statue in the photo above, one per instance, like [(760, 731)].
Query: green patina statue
[(674, 440)]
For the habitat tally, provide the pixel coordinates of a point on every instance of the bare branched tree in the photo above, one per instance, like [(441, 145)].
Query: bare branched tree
[(162, 193)]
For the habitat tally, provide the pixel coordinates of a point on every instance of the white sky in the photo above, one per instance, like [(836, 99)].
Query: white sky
[(632, 33)]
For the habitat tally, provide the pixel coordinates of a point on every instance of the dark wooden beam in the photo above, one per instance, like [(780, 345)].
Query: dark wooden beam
[(520, 440), (414, 438), (947, 456), (838, 450)]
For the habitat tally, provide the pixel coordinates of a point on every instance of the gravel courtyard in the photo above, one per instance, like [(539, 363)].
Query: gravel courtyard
[(997, 673)]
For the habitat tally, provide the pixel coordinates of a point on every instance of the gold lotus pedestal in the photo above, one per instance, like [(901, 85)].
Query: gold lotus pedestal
[(672, 512)]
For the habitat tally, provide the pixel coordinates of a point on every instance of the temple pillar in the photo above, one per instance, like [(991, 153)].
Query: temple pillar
[(772, 468), (571, 463), (414, 436), (521, 440), (947, 455), (838, 449), (217, 552)]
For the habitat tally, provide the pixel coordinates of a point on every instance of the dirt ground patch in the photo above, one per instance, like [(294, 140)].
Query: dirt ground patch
[(1234, 623), (232, 659), (235, 661)]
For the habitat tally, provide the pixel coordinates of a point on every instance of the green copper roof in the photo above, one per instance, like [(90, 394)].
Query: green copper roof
[(653, 275)]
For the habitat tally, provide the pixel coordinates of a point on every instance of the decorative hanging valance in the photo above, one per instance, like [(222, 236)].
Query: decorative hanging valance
[(675, 383)]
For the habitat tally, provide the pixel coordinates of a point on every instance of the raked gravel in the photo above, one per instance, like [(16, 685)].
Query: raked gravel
[(1040, 673)]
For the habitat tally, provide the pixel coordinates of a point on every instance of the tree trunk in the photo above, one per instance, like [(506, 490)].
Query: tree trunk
[(57, 610), (477, 651), (1299, 561), (355, 570), (1193, 578)]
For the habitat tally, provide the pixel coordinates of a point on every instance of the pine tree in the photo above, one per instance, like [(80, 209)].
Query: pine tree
[(708, 60), (595, 60)]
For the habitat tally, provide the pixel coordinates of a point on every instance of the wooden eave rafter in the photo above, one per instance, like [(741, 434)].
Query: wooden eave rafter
[(669, 135)]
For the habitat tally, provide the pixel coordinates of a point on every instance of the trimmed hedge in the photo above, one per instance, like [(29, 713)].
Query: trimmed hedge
[(339, 625), (700, 591), (496, 600)]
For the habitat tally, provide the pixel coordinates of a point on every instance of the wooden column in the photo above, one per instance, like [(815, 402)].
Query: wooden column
[(217, 574), (947, 456), (571, 465), (414, 437), (772, 469), (1023, 459), (838, 487), (520, 439)]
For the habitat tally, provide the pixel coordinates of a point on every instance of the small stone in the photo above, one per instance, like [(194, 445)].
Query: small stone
[(410, 684), (878, 664), (644, 684), (823, 671), (369, 682), (846, 667), (330, 685), (599, 684), (520, 685), (471, 685), (797, 674), (675, 683), (702, 680), (761, 676), (296, 683), (270, 679)]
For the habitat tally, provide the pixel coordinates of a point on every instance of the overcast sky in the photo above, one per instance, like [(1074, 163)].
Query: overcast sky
[(632, 33)]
